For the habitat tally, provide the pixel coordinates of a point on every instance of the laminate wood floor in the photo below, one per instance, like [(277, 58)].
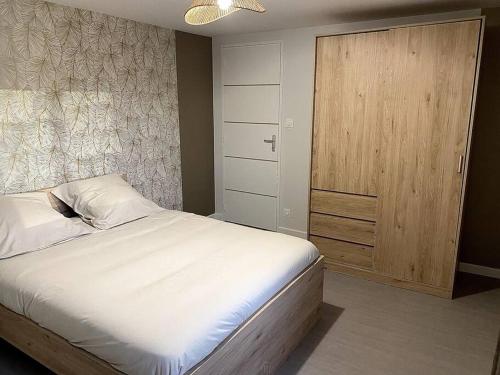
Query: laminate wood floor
[(369, 328)]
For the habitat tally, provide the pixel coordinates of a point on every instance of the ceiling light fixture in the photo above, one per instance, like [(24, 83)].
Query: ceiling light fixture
[(224, 4), (202, 12)]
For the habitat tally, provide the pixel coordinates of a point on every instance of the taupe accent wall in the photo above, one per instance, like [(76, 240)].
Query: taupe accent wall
[(481, 231), (194, 77), (85, 94)]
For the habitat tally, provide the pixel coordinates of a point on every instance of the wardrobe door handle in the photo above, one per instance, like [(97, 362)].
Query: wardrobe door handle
[(460, 164)]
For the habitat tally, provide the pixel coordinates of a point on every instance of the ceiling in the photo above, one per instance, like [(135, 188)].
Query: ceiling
[(281, 14)]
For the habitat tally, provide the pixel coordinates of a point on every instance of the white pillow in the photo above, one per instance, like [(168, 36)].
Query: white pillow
[(28, 223), (105, 201)]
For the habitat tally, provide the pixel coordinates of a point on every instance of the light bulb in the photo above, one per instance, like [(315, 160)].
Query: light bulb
[(224, 4)]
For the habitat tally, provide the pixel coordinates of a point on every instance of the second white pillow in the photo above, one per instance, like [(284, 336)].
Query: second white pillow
[(106, 201)]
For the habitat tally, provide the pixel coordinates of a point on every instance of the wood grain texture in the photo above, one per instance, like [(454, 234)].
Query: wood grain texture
[(49, 349), (347, 205), (343, 252), (261, 344), (258, 346), (348, 112), (425, 131), (387, 279), (362, 232)]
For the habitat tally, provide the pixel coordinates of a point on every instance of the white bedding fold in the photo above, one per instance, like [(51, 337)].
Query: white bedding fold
[(157, 295)]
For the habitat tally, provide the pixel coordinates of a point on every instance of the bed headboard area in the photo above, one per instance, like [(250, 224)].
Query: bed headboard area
[(84, 94)]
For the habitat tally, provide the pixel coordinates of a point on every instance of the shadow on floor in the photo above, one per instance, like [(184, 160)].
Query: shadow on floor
[(299, 356), (467, 284), (15, 362)]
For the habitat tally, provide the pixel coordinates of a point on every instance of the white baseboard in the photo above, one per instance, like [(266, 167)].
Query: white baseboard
[(217, 216), (293, 232), (479, 270), (290, 232)]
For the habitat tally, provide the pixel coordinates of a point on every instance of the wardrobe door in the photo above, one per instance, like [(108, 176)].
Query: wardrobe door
[(348, 111), (423, 145)]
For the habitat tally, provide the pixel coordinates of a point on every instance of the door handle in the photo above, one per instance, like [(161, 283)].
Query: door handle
[(272, 141), (460, 168)]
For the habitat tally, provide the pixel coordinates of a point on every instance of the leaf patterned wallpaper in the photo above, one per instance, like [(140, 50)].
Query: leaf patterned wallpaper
[(84, 94)]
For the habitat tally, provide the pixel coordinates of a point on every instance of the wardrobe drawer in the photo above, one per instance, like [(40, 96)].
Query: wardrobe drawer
[(339, 228), (341, 204), (344, 252)]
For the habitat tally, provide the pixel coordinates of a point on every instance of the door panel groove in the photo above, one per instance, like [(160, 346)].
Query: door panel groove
[(248, 192), (240, 157), (255, 123), (256, 85)]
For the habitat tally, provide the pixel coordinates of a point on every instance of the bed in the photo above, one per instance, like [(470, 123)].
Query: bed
[(173, 293)]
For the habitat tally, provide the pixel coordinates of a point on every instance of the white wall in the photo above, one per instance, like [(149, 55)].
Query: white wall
[(297, 104)]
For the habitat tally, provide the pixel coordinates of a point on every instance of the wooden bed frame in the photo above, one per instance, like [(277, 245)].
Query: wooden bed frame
[(258, 346)]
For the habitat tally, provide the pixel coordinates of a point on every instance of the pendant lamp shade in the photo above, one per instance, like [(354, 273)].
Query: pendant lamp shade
[(202, 12)]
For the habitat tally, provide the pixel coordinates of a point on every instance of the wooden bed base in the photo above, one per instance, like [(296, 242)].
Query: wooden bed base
[(258, 346)]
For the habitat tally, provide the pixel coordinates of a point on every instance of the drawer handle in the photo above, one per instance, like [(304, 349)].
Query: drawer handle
[(272, 141)]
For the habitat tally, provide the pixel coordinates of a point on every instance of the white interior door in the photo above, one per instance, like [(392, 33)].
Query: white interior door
[(251, 132)]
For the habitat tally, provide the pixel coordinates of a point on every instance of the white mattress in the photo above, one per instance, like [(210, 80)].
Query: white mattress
[(157, 295)]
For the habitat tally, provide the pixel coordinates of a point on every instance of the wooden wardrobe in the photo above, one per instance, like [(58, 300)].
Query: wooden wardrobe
[(392, 121)]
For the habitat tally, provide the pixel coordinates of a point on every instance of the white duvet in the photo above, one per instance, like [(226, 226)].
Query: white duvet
[(157, 295)]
